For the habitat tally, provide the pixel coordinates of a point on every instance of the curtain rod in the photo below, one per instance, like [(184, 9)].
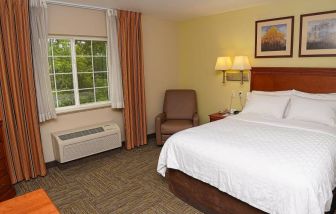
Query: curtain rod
[(76, 5)]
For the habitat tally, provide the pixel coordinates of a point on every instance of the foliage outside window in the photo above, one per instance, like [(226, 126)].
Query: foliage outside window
[(78, 71)]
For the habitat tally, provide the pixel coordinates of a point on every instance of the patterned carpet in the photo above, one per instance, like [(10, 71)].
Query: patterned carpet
[(117, 181)]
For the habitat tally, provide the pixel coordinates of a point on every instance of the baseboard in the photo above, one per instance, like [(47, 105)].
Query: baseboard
[(54, 163), (151, 136), (51, 164)]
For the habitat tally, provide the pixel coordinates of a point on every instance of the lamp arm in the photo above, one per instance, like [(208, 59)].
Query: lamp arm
[(223, 76), (240, 100), (242, 77), (231, 102)]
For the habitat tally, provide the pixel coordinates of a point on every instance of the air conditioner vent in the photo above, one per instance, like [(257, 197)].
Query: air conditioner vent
[(72, 144), (81, 133)]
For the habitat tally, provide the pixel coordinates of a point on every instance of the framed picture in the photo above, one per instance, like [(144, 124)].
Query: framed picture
[(274, 37), (318, 34)]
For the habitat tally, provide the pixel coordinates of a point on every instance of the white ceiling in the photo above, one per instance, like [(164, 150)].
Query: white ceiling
[(175, 9)]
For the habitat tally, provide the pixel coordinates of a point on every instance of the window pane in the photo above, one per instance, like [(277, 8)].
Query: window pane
[(101, 94), (49, 47), (100, 79), (50, 63), (99, 48), (85, 80), (91, 66), (83, 47), (63, 65), (86, 96), (52, 81), (99, 63), (66, 98), (61, 47), (84, 64), (64, 81)]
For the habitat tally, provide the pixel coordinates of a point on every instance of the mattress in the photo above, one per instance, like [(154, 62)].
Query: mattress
[(276, 165)]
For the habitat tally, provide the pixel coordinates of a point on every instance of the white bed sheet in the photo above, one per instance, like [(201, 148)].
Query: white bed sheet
[(278, 166)]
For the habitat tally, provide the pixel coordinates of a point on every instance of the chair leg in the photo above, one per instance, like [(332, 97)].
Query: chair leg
[(159, 139)]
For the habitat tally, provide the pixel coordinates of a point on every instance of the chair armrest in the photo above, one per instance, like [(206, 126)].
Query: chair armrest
[(159, 119), (195, 119)]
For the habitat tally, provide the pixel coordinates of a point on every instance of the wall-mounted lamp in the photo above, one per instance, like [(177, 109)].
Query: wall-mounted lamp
[(241, 63), (223, 64)]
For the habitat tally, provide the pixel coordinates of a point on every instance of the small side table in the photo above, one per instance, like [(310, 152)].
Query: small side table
[(217, 116)]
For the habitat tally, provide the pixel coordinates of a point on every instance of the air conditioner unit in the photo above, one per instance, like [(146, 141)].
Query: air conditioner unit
[(77, 143)]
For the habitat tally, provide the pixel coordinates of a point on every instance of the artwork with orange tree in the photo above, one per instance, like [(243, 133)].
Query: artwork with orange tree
[(273, 37)]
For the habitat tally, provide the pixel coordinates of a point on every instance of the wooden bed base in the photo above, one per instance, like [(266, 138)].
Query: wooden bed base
[(209, 199), (204, 197)]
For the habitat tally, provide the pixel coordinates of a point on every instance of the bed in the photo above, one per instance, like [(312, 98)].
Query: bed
[(271, 190)]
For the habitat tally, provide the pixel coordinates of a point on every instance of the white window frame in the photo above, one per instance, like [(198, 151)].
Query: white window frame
[(78, 106)]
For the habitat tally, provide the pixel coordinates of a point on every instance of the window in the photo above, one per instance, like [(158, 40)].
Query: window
[(78, 71)]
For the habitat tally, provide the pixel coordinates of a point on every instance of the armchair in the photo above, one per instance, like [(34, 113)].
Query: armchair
[(179, 113)]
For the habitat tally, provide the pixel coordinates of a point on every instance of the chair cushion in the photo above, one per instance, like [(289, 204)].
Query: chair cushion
[(180, 104), (173, 126)]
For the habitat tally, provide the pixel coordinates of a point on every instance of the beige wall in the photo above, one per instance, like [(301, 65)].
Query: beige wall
[(161, 63), (160, 53), (76, 21), (202, 40)]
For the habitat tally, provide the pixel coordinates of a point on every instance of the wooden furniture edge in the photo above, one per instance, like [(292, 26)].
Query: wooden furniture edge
[(313, 80), (7, 190), (37, 201)]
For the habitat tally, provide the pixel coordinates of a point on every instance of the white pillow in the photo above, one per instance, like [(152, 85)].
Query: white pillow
[(270, 93), (312, 110), (331, 96), (266, 105), (275, 93)]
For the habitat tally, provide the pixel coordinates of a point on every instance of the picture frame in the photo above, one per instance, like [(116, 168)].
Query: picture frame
[(282, 29), (318, 34)]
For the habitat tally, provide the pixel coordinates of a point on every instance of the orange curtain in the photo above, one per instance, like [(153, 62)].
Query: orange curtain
[(132, 66), (18, 99)]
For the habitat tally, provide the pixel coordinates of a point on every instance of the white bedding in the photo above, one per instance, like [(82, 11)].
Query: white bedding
[(278, 166)]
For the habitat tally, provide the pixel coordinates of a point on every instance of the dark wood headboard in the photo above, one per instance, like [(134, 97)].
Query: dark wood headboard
[(313, 80)]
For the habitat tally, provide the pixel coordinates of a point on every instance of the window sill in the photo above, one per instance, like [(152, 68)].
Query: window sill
[(87, 107)]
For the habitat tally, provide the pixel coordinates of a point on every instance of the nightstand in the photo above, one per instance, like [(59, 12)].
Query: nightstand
[(218, 116)]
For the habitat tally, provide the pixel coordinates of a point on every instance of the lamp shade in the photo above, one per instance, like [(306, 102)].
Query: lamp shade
[(241, 63), (223, 63)]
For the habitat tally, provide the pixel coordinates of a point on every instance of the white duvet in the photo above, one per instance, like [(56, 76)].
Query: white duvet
[(278, 166)]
